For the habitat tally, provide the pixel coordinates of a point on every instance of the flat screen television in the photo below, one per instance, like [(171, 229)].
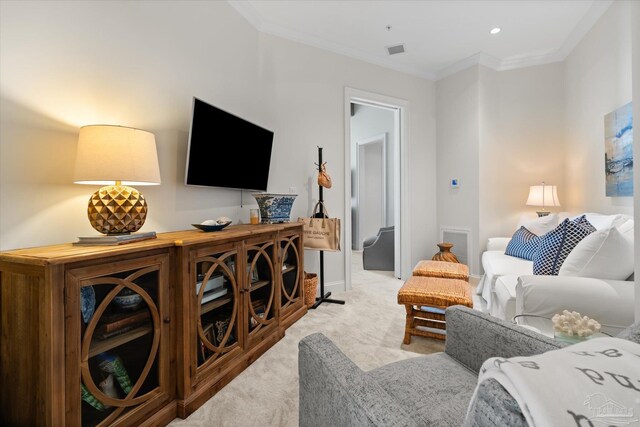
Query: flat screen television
[(226, 151)]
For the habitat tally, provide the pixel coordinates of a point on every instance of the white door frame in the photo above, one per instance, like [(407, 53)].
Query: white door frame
[(401, 190), (377, 139)]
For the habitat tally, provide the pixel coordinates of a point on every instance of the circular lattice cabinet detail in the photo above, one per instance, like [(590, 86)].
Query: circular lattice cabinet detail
[(117, 209)]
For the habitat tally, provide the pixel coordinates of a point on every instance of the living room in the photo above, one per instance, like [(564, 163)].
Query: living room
[(496, 126)]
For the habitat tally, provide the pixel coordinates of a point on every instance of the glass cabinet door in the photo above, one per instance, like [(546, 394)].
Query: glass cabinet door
[(260, 283), (123, 334), (217, 307), (289, 264)]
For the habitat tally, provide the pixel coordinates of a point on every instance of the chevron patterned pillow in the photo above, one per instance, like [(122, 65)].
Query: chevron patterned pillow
[(523, 244), (556, 245)]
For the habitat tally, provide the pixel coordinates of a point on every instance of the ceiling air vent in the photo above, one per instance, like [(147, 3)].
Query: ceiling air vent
[(395, 49)]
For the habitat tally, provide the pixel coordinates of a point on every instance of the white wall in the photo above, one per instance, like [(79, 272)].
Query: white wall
[(498, 133), (458, 136), (597, 81), (635, 45), (67, 64), (521, 143)]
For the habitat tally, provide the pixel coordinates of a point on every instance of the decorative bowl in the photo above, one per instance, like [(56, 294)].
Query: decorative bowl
[(127, 299), (274, 208), (208, 228)]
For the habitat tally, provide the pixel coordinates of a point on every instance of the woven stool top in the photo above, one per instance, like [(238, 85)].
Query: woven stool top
[(448, 270), (435, 291)]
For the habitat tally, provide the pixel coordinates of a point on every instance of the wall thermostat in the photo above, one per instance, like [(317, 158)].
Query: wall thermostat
[(455, 183)]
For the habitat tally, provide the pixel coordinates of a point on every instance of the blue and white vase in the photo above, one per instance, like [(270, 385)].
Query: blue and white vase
[(274, 208)]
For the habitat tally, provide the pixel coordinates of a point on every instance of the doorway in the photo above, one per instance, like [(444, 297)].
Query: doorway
[(374, 187)]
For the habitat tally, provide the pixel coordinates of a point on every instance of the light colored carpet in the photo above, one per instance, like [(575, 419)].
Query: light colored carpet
[(369, 329)]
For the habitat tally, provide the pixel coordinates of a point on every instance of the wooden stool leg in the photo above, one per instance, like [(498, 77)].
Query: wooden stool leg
[(409, 324)]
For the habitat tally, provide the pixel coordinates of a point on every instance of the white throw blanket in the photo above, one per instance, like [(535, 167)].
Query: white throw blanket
[(589, 383)]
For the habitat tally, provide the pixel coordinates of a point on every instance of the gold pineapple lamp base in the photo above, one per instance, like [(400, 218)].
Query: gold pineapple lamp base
[(117, 209)]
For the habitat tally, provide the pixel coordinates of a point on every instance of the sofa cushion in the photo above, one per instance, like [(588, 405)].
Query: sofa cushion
[(523, 244), (541, 225), (556, 246), (496, 264), (504, 306), (435, 387), (604, 254)]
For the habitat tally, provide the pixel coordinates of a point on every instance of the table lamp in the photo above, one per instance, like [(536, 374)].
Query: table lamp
[(543, 195), (116, 157)]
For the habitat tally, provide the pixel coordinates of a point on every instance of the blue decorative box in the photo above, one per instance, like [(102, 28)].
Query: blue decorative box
[(274, 208)]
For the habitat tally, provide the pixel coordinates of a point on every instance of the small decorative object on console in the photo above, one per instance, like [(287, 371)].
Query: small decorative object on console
[(274, 208), (571, 326), (213, 225)]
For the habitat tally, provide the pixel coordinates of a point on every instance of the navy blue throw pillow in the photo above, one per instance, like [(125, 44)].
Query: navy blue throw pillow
[(584, 223), (523, 244), (556, 245)]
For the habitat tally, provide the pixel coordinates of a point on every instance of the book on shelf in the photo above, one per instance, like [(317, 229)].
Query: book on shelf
[(118, 321), (105, 335), (117, 239), (211, 295)]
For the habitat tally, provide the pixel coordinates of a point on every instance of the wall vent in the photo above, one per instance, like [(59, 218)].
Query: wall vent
[(395, 49), (460, 239)]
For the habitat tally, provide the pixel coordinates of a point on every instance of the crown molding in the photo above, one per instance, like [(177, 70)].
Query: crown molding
[(249, 13), (597, 9), (595, 12)]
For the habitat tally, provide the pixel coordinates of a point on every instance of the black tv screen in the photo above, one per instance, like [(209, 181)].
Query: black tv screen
[(226, 150)]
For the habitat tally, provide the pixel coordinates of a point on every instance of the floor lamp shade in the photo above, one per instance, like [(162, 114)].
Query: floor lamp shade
[(543, 195), (116, 157)]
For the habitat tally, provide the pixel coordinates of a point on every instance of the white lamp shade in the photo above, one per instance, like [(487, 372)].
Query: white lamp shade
[(109, 153), (543, 195)]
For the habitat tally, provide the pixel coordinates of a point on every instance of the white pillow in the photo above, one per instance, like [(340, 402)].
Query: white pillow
[(541, 225), (603, 254), (601, 221)]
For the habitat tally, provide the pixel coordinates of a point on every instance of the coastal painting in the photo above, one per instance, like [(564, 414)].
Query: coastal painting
[(618, 152)]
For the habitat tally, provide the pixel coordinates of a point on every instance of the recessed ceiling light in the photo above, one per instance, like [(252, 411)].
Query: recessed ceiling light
[(495, 30)]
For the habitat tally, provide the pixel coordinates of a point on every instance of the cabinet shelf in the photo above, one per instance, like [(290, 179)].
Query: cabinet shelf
[(205, 308), (288, 269), (259, 284), (99, 346)]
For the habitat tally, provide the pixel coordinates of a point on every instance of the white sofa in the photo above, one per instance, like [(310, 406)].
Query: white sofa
[(509, 287)]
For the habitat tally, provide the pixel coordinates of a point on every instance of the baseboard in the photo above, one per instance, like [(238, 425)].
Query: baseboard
[(333, 287)]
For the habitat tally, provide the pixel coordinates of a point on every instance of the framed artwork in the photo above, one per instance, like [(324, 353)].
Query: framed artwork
[(618, 152)]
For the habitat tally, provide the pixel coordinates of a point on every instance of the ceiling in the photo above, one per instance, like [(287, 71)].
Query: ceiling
[(440, 37)]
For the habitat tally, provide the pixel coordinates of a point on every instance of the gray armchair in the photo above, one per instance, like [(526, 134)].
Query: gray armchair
[(377, 251), (422, 391), (431, 390)]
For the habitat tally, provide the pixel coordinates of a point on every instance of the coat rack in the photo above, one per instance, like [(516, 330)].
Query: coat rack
[(323, 297)]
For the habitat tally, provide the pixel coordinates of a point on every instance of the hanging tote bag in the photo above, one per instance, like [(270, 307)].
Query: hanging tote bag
[(321, 232)]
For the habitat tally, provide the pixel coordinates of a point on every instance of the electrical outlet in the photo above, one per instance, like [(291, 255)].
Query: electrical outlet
[(293, 190)]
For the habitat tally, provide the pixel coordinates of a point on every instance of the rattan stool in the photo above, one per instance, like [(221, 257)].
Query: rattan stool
[(447, 270), (425, 299)]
